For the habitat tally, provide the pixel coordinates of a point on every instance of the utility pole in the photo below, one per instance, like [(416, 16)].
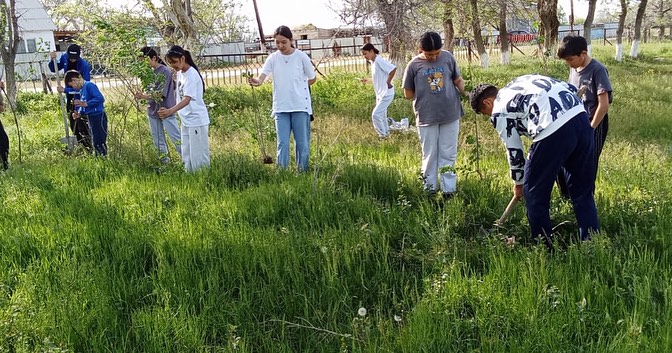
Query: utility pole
[(261, 30)]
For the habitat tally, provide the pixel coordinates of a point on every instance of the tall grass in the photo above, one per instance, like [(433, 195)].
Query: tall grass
[(123, 255)]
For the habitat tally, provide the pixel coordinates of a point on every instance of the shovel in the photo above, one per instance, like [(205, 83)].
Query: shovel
[(68, 140)]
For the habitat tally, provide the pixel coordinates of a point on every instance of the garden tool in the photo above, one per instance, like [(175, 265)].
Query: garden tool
[(69, 140)]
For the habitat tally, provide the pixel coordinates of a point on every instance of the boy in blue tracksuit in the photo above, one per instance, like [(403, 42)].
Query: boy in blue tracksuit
[(90, 105), (72, 60)]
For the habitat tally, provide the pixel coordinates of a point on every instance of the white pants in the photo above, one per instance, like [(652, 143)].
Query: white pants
[(157, 126), (439, 150), (195, 148), (379, 115)]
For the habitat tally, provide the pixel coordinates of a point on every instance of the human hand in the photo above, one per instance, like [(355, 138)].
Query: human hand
[(2, 84), (52, 55), (140, 95), (518, 191), (75, 115), (164, 112), (80, 103), (60, 89), (253, 81), (389, 86)]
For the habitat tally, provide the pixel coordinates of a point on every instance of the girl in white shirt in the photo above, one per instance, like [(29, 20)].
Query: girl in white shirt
[(292, 73), (382, 73), (191, 108)]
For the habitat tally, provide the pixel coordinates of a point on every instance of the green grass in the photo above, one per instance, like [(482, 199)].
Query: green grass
[(123, 255)]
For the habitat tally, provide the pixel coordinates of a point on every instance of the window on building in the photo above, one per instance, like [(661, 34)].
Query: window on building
[(304, 36), (22, 47), (31, 45)]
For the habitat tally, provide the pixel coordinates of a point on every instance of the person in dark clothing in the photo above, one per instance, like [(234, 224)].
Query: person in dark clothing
[(72, 60), (4, 139)]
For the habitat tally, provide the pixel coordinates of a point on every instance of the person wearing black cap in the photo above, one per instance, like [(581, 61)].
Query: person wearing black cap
[(72, 60), (550, 113)]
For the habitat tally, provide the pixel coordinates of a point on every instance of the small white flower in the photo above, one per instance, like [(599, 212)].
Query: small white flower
[(397, 318), (323, 249), (211, 104), (361, 312)]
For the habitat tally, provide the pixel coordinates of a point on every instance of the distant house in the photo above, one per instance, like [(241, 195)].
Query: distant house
[(37, 38)]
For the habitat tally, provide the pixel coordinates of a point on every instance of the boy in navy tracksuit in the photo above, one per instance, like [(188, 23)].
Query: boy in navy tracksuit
[(72, 60), (549, 112), (90, 105)]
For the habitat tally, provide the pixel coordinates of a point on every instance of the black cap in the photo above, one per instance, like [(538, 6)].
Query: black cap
[(74, 51)]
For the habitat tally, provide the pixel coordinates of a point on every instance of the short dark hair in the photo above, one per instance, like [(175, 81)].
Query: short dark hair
[(370, 47), (152, 53), (479, 94), (71, 75), (430, 41), (572, 46), (283, 31)]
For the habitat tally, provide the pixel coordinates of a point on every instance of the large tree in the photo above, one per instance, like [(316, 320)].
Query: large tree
[(189, 23), (548, 30), (399, 18), (619, 32), (11, 36), (641, 10), (588, 23)]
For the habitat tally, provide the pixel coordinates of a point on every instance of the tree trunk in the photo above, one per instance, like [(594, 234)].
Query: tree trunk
[(478, 38), (505, 55), (448, 28), (588, 25), (634, 49), (396, 31), (9, 33), (619, 31), (548, 15)]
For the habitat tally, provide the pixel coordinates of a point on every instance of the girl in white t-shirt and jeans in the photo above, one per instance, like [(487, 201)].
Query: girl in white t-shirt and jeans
[(191, 109), (382, 73), (293, 73)]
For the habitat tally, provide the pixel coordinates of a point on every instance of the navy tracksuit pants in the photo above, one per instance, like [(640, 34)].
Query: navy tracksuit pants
[(570, 148), (4, 148)]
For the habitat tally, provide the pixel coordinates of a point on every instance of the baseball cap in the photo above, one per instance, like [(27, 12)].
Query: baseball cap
[(74, 51)]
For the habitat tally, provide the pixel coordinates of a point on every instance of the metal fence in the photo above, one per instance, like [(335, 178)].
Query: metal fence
[(228, 69)]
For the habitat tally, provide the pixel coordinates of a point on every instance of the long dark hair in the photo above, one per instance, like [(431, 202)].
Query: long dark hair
[(283, 31), (430, 41), (151, 53), (370, 47), (177, 52)]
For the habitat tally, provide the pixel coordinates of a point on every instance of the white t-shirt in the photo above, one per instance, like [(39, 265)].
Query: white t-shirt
[(290, 81), (380, 71), (534, 106), (189, 84)]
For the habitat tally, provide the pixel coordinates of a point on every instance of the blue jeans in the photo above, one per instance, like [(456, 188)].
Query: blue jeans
[(299, 123), (98, 126)]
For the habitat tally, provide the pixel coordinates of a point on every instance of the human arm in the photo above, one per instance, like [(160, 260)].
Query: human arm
[(93, 96), (506, 124), (459, 84), (309, 69), (409, 82), (601, 111), (84, 69), (256, 81), (166, 112), (265, 72), (390, 77)]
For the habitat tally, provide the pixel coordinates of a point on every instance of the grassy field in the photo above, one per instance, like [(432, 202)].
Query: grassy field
[(123, 255)]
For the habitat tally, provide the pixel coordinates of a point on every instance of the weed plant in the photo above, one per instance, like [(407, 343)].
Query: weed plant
[(125, 255)]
